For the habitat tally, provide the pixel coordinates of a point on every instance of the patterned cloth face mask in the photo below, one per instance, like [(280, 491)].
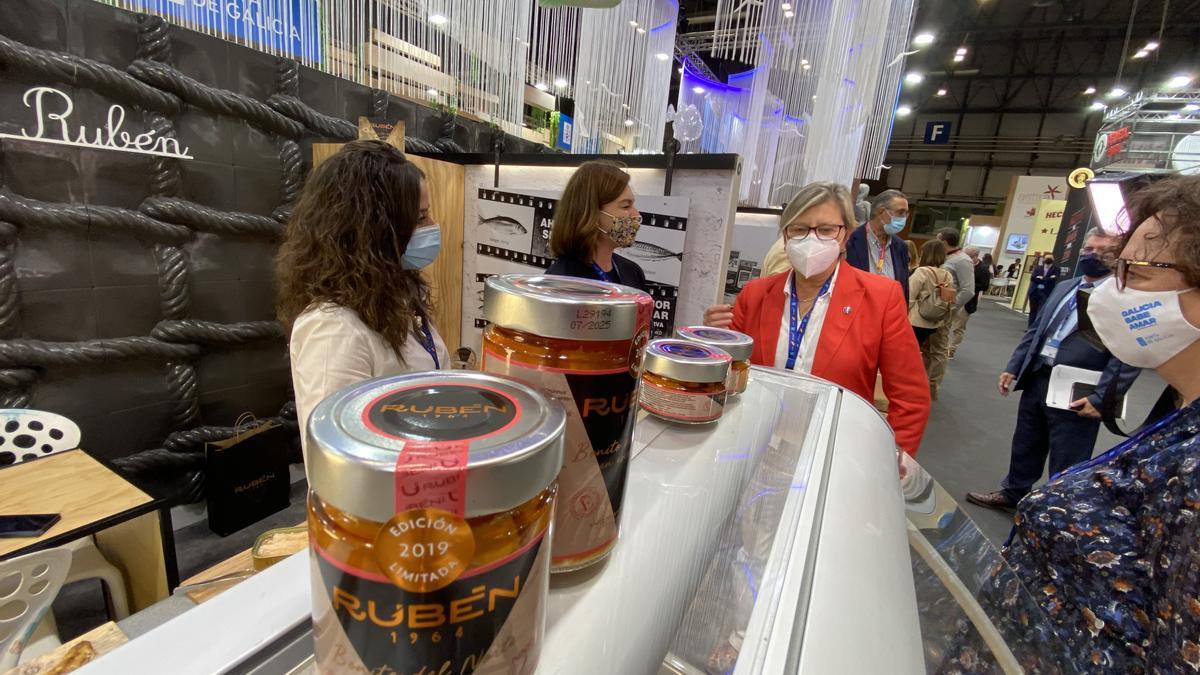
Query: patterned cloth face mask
[(623, 230)]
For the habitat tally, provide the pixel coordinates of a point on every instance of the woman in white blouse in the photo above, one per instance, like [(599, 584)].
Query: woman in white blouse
[(350, 289)]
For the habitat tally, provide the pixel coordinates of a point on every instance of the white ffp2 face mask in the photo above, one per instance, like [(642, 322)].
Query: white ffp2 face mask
[(811, 256), (1144, 329)]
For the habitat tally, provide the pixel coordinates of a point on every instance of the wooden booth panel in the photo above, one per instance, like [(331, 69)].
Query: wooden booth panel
[(446, 185)]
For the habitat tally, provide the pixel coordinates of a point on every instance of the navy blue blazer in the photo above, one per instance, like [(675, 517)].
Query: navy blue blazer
[(858, 254), (1046, 281), (628, 272), (1074, 351)]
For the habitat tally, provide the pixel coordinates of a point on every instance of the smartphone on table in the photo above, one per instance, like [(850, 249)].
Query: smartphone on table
[(27, 525)]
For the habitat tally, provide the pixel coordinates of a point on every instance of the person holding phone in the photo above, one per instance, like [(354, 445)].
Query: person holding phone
[(1108, 548), (1065, 437), (350, 290)]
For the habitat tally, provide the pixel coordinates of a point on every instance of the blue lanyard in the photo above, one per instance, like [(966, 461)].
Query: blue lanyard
[(611, 277), (796, 329), (426, 340)]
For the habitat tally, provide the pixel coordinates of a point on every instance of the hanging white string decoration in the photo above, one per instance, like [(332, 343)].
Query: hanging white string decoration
[(622, 76), (817, 99)]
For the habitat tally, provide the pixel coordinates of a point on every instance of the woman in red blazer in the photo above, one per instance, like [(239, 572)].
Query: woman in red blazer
[(845, 326)]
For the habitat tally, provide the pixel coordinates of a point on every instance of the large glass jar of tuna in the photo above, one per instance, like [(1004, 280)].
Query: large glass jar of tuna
[(579, 341), (430, 499)]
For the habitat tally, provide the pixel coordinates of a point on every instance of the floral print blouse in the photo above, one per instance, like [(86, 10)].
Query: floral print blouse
[(1111, 551)]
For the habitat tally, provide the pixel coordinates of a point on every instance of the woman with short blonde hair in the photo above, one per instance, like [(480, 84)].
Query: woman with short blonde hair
[(824, 317)]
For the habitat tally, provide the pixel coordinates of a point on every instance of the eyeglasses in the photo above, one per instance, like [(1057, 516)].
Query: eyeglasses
[(1123, 265), (823, 232)]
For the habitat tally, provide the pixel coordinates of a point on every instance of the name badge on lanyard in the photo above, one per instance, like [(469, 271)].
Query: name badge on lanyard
[(797, 329), (611, 277)]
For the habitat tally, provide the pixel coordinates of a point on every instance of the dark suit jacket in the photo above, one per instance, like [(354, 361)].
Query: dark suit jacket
[(1045, 280), (1075, 351), (628, 272), (858, 254)]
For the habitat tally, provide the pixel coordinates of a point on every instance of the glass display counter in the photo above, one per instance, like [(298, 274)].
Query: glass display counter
[(775, 541)]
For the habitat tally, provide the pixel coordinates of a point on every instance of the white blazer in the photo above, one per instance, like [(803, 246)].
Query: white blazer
[(331, 348)]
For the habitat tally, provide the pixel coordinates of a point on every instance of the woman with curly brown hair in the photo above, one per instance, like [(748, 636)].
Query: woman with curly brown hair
[(350, 290)]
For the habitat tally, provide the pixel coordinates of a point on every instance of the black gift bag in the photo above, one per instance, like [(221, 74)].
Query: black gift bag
[(247, 476)]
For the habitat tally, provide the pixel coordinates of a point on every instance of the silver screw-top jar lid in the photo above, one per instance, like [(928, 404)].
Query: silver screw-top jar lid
[(508, 434), (738, 345), (566, 307), (686, 361)]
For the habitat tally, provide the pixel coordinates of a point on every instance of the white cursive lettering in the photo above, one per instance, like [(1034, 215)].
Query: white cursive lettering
[(48, 110)]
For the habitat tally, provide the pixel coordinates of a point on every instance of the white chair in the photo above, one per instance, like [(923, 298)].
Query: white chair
[(33, 434), (28, 585)]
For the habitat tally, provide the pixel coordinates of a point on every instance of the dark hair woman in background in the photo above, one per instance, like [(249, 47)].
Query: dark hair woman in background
[(350, 291), (596, 216)]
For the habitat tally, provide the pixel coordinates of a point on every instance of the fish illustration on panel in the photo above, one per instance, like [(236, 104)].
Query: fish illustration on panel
[(646, 251), (505, 224)]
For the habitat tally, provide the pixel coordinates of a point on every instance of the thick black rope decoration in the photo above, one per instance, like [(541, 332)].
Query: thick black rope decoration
[(324, 125), (174, 291), (446, 142), (42, 65), (212, 332), (287, 82), (27, 212), (10, 307), (17, 378), (214, 100), (205, 219), (154, 43), (43, 354), (185, 387)]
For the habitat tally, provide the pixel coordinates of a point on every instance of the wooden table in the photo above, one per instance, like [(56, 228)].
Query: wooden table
[(131, 528)]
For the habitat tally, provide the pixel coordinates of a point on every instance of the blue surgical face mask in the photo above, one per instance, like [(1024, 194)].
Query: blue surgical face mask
[(423, 248), (895, 225)]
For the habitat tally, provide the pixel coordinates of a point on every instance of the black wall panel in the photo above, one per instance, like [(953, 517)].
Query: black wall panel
[(77, 293)]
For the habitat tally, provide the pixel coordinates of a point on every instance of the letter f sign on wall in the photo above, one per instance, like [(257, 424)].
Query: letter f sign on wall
[(937, 133)]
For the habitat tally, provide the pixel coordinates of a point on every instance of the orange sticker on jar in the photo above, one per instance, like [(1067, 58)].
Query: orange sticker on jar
[(424, 550)]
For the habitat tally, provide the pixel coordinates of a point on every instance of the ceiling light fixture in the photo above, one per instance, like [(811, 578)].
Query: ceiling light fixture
[(903, 111), (541, 86), (662, 56), (1141, 54), (788, 15), (1191, 107), (1089, 90), (914, 78), (807, 66), (941, 92), (1096, 105), (1116, 92), (1150, 46), (961, 51), (560, 83), (641, 31), (697, 90), (681, 71), (804, 62), (923, 39), (438, 19), (787, 6), (958, 58), (1179, 81), (633, 23), (628, 123)]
